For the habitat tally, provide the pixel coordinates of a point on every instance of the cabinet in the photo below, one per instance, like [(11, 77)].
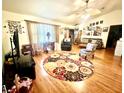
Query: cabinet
[(118, 49), (9, 74), (24, 67)]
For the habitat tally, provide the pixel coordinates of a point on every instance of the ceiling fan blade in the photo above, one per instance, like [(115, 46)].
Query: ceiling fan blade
[(80, 9)]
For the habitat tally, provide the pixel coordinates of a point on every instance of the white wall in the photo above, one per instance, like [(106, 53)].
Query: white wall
[(23, 38), (112, 18)]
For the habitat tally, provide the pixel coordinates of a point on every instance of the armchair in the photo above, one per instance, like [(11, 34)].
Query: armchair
[(89, 51), (66, 45), (27, 49)]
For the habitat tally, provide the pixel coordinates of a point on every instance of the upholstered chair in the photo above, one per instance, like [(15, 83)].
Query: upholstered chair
[(89, 51)]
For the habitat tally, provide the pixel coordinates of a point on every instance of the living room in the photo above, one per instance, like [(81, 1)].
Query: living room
[(57, 42)]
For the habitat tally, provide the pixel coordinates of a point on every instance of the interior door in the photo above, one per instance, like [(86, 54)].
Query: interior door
[(115, 34)]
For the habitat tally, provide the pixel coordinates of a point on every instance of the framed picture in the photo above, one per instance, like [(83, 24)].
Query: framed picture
[(93, 24), (84, 29), (88, 33), (89, 28), (93, 28), (97, 23), (105, 29), (97, 31), (101, 21)]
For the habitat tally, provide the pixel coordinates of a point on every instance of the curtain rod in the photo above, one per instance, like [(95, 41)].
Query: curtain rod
[(39, 22)]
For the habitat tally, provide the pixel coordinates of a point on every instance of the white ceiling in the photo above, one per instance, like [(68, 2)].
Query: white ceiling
[(66, 11)]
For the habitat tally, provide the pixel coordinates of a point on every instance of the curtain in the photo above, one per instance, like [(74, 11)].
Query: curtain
[(42, 36)]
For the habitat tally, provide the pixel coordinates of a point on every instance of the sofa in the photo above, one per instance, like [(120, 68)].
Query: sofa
[(83, 43), (96, 41)]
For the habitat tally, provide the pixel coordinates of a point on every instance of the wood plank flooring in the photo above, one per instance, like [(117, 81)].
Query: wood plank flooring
[(107, 77)]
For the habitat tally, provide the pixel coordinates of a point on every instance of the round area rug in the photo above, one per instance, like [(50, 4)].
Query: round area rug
[(68, 67)]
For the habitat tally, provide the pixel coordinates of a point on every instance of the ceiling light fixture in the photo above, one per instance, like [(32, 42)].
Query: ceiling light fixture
[(85, 10), (85, 17), (91, 11)]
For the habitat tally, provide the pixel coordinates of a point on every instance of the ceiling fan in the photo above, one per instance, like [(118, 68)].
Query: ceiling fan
[(86, 9)]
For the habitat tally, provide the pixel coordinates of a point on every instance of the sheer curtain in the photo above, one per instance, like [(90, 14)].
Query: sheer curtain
[(42, 36)]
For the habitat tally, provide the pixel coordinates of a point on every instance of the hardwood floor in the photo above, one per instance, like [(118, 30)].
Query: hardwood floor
[(107, 77)]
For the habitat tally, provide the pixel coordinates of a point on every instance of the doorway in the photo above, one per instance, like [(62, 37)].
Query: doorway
[(71, 34), (115, 33)]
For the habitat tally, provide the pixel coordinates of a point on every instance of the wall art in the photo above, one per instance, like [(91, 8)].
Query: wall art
[(93, 24), (101, 21), (14, 25), (105, 29), (97, 23), (98, 31)]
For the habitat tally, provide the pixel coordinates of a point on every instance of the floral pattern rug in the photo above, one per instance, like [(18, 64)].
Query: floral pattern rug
[(68, 67)]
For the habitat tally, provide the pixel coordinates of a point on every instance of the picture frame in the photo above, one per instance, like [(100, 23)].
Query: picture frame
[(97, 31), (93, 28), (101, 21), (89, 28), (97, 23), (88, 33), (105, 29), (93, 24)]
